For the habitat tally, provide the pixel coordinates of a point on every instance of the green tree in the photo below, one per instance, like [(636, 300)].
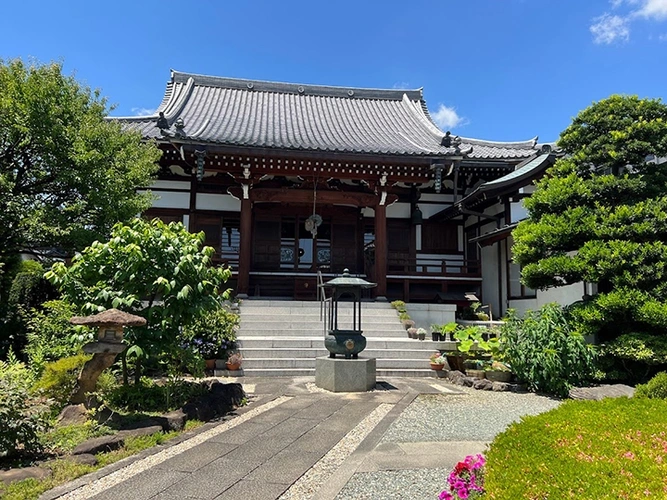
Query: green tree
[(149, 268), (67, 174), (600, 215)]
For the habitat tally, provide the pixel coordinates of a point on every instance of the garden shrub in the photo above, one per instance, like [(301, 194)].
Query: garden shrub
[(213, 335), (22, 417), (149, 396), (635, 356), (545, 353), (51, 336), (614, 448), (656, 388), (64, 439), (58, 379)]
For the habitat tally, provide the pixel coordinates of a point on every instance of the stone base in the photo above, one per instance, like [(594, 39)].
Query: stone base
[(345, 375), (228, 373)]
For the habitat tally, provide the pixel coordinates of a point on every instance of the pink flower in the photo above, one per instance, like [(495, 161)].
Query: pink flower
[(445, 495), (462, 493)]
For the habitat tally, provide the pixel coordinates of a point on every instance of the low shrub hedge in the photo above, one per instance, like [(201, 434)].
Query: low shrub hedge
[(614, 448), (656, 388)]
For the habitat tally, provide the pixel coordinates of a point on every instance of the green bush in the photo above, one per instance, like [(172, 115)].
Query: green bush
[(614, 448), (545, 353), (51, 336), (212, 335), (148, 396), (656, 388), (22, 417), (58, 379), (634, 357), (65, 438)]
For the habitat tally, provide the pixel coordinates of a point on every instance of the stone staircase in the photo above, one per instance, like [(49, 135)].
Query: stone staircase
[(282, 338)]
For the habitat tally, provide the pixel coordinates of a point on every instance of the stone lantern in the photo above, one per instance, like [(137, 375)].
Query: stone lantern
[(351, 373), (104, 350)]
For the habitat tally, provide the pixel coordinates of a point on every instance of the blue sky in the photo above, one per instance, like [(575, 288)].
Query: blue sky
[(494, 69)]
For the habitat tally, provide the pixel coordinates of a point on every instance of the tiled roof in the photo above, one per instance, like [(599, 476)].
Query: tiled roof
[(261, 114)]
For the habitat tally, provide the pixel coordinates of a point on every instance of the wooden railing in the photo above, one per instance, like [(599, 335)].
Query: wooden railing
[(421, 266)]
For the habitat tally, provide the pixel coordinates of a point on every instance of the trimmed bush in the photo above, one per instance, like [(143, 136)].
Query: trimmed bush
[(656, 388), (545, 353), (148, 396), (59, 378), (614, 448)]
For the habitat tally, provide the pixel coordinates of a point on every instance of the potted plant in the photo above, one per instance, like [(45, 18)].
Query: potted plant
[(405, 320), (212, 335), (498, 372), (421, 334), (234, 361), (412, 332), (437, 361)]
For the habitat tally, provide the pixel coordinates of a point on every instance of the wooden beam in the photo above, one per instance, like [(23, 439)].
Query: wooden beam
[(306, 196), (245, 247)]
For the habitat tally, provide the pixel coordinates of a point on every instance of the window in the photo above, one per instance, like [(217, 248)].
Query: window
[(440, 237)]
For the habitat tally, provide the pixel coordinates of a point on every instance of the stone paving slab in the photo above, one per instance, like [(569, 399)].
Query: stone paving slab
[(190, 462), (247, 489), (144, 485)]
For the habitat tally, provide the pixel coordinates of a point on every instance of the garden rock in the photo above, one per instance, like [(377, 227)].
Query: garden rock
[(456, 377), (13, 475), (172, 421), (501, 387), (483, 384), (83, 459), (601, 392), (73, 414), (140, 431), (99, 444)]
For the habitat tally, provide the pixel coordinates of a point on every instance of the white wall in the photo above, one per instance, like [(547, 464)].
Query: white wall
[(425, 315), (564, 295)]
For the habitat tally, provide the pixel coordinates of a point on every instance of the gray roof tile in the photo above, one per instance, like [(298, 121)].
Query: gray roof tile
[(253, 113)]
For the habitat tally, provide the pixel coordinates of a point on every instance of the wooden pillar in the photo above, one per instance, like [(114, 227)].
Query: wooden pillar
[(245, 248), (381, 249)]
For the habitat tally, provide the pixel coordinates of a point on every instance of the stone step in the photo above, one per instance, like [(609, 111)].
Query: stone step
[(288, 363), (310, 372), (312, 304), (270, 342), (288, 323), (297, 333), (315, 352)]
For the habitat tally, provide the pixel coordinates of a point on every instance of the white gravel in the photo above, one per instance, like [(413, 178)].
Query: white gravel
[(474, 416), (395, 485), (135, 468)]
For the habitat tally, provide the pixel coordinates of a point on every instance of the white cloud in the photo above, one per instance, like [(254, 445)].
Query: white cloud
[(608, 29), (447, 118), (142, 111), (653, 9)]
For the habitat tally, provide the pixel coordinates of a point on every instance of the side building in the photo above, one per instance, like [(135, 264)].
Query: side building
[(288, 180)]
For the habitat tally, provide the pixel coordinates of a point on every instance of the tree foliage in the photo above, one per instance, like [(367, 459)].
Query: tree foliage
[(155, 270), (600, 215), (66, 173)]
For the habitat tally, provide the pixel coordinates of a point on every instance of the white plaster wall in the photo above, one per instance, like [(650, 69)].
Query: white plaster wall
[(221, 202), (425, 315), (399, 211), (563, 295), (183, 185), (166, 199)]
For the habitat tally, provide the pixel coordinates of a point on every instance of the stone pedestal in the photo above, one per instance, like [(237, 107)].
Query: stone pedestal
[(345, 375)]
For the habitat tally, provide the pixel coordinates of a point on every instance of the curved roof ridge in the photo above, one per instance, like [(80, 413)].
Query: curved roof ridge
[(529, 144), (296, 88)]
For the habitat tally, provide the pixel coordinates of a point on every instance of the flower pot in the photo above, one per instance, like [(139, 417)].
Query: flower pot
[(233, 366), (455, 361), (435, 336), (499, 375), (421, 336), (476, 373), (210, 364), (437, 367)]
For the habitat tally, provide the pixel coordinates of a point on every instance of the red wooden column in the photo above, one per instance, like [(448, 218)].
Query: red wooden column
[(381, 250), (244, 251)]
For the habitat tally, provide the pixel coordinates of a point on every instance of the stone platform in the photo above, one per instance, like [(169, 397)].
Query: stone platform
[(345, 375)]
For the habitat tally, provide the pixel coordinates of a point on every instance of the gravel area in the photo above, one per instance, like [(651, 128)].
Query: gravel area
[(474, 416), (306, 487), (395, 485)]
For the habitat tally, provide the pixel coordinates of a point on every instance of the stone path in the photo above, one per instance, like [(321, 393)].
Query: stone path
[(293, 442)]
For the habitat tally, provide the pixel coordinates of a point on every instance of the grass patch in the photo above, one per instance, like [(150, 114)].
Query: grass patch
[(65, 470), (64, 439), (614, 448)]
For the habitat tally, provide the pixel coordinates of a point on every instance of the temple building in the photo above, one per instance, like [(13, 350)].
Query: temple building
[(288, 180)]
